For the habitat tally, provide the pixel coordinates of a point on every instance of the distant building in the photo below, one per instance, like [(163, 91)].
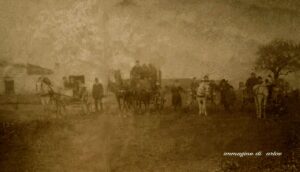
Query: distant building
[(20, 78)]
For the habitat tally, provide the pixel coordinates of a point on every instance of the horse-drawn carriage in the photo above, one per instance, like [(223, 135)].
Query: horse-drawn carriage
[(137, 93), (72, 86), (71, 93)]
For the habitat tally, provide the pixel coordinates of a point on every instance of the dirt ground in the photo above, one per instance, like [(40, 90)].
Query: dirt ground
[(32, 140)]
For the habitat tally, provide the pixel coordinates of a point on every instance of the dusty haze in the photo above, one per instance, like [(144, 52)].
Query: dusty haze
[(142, 126), (184, 38)]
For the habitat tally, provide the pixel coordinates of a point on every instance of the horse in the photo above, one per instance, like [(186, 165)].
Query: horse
[(123, 94), (142, 94), (45, 93), (261, 94), (63, 96), (52, 95), (136, 93), (202, 95), (60, 99)]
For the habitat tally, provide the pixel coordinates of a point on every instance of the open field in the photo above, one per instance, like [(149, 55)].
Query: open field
[(32, 140)]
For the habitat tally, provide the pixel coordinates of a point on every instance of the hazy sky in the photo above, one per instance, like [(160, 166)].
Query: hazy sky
[(184, 38)]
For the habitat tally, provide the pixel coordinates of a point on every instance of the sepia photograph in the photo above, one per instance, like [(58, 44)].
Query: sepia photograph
[(149, 85)]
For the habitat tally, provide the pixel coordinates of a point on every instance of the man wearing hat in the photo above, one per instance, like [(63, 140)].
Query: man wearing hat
[(176, 91), (97, 93), (193, 91), (136, 71), (227, 94), (136, 74), (251, 82)]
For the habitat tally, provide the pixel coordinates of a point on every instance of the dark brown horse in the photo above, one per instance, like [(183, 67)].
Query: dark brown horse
[(123, 94), (136, 93)]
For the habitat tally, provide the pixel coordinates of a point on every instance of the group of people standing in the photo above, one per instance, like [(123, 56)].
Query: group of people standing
[(251, 82), (268, 94), (202, 91), (199, 93)]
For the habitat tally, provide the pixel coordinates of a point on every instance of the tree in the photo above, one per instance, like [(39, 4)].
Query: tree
[(279, 57)]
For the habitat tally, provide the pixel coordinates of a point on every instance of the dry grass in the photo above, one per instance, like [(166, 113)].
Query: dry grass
[(32, 140)]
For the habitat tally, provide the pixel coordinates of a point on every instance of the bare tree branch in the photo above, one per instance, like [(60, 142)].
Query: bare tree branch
[(278, 56)]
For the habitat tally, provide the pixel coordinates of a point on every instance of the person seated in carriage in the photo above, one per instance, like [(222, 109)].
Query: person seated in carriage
[(145, 73), (118, 77), (66, 82), (152, 75), (136, 74), (152, 72), (75, 85), (137, 71)]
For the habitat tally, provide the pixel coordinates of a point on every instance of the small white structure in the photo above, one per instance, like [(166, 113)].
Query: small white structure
[(20, 78)]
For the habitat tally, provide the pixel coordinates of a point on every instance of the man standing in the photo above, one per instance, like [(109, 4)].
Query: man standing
[(251, 82), (227, 95), (176, 95), (97, 93), (194, 85), (202, 93)]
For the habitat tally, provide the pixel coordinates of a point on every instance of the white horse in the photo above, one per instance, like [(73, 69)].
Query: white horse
[(44, 92), (202, 94), (63, 97), (51, 95), (60, 99), (261, 94)]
